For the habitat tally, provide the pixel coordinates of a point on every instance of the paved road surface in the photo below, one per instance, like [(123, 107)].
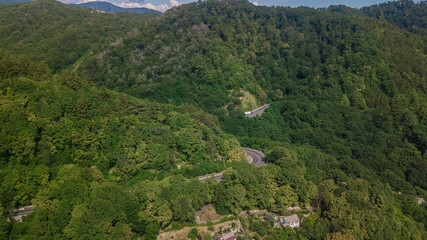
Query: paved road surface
[(18, 213), (257, 112), (257, 159), (218, 177), (22, 213)]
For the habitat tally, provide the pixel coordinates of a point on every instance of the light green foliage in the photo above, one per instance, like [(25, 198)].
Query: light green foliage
[(61, 135), (86, 221), (75, 124)]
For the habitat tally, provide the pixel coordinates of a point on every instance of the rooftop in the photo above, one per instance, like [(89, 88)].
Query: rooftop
[(228, 236), (291, 219)]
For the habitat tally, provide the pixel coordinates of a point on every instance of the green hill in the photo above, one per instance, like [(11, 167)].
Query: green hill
[(204, 53), (62, 124), (60, 35), (334, 79)]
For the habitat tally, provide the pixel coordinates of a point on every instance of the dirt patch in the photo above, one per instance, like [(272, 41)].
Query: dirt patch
[(248, 101), (182, 234), (210, 215), (247, 213)]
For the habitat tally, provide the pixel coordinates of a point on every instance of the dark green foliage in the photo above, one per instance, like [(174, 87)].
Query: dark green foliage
[(404, 13), (220, 46), (182, 209), (261, 227), (202, 169), (193, 234), (151, 233), (270, 217)]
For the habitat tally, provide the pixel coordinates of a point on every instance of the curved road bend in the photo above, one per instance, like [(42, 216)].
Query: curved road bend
[(257, 159), (198, 220)]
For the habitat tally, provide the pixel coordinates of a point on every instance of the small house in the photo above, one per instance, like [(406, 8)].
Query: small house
[(227, 236), (291, 221)]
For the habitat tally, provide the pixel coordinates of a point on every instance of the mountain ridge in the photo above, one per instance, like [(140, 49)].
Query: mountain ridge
[(111, 8)]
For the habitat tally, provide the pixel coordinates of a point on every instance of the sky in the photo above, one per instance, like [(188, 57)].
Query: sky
[(163, 5)]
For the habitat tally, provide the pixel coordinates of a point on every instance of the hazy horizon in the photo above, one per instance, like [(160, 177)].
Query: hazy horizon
[(163, 5)]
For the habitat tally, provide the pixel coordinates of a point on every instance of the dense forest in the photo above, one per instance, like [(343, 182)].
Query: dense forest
[(63, 127), (127, 110), (404, 14), (60, 35)]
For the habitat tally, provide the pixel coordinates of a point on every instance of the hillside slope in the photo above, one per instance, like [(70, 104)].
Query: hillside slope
[(55, 120), (205, 53), (59, 34), (345, 84), (405, 14)]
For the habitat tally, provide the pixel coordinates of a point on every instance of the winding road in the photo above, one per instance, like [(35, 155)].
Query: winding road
[(20, 212), (257, 158), (258, 111), (218, 177)]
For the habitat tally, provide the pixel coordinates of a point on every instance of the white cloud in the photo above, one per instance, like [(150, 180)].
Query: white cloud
[(84, 1), (163, 7), (175, 3), (256, 3)]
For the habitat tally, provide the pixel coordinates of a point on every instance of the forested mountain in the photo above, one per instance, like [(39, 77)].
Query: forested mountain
[(205, 52), (108, 7), (404, 14), (61, 35), (335, 79), (62, 128), (345, 133)]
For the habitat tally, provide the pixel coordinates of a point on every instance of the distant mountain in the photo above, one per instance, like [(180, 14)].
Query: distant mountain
[(108, 7), (13, 1)]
